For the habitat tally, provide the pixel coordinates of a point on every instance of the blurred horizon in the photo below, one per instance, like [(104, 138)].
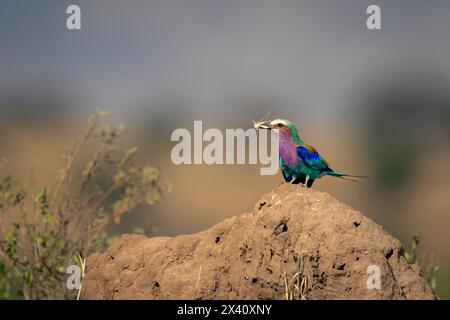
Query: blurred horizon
[(372, 102)]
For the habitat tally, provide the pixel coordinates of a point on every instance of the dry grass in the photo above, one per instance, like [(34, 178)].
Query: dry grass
[(298, 287)]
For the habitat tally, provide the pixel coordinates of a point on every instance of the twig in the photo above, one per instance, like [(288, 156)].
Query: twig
[(198, 281), (83, 265)]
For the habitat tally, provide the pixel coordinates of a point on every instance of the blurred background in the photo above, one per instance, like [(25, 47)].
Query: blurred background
[(372, 102)]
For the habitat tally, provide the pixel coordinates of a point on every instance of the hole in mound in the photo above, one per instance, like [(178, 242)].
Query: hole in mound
[(341, 267), (389, 253), (282, 227), (217, 240)]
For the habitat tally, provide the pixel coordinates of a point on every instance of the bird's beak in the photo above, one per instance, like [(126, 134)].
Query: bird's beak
[(262, 125)]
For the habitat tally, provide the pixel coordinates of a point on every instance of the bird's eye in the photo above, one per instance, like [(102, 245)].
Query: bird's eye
[(279, 125)]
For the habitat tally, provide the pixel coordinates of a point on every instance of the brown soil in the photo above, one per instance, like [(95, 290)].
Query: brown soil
[(293, 236)]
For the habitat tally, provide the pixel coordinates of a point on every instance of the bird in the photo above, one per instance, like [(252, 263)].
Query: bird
[(299, 161)]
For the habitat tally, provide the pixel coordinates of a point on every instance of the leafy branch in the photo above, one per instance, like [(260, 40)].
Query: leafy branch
[(45, 229)]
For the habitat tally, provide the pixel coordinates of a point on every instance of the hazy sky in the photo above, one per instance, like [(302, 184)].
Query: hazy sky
[(212, 54)]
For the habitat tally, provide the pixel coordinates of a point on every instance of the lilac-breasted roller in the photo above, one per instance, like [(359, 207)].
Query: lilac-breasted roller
[(299, 161)]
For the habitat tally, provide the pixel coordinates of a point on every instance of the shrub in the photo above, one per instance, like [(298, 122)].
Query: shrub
[(45, 229), (413, 257)]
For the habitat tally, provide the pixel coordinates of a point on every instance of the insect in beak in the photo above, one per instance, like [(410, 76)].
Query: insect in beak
[(262, 125)]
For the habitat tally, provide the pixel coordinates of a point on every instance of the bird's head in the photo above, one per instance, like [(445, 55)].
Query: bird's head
[(277, 124), (280, 126)]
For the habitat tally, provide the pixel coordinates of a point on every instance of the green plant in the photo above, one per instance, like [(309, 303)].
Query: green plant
[(45, 229), (413, 257)]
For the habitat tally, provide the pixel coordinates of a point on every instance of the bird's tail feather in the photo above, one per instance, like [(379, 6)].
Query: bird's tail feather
[(346, 176)]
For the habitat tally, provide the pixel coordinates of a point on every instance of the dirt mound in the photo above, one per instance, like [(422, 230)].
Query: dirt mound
[(296, 243)]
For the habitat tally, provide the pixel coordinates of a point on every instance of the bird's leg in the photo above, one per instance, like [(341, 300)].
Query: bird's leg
[(306, 181), (293, 179)]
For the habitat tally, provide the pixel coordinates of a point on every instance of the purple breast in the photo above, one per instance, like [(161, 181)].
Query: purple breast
[(288, 149)]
